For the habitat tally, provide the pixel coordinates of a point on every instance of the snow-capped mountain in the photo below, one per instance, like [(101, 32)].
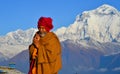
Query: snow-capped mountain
[(60, 33), (15, 42), (94, 35), (101, 24), (98, 28)]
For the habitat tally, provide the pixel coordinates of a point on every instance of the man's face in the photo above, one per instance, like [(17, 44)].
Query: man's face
[(42, 30)]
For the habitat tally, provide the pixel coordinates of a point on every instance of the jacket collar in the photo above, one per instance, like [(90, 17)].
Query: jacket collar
[(47, 37)]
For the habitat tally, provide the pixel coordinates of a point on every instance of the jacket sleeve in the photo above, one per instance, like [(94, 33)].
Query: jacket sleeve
[(53, 49), (42, 58), (50, 51)]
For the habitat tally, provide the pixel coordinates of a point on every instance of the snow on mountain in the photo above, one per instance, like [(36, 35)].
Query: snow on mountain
[(93, 34), (91, 28), (106, 10), (60, 32), (101, 24), (15, 42)]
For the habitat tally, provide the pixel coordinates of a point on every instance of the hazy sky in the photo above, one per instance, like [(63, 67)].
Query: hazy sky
[(24, 14)]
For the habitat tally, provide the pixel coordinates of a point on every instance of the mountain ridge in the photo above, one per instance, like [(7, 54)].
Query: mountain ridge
[(92, 39), (99, 24), (82, 31)]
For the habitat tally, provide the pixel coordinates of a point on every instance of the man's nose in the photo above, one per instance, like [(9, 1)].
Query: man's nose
[(41, 29)]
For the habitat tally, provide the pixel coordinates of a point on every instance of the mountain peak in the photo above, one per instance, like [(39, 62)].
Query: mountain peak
[(97, 25), (101, 24), (106, 6), (106, 9)]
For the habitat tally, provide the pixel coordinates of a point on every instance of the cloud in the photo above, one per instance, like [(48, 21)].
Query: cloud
[(81, 68), (116, 69), (103, 70)]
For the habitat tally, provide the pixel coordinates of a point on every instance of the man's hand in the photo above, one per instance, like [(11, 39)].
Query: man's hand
[(34, 55)]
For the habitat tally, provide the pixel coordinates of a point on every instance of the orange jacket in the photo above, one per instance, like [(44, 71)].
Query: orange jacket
[(49, 54)]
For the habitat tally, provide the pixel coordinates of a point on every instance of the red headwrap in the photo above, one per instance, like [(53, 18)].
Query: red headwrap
[(46, 22)]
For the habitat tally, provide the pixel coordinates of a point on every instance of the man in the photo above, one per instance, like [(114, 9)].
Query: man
[(45, 49)]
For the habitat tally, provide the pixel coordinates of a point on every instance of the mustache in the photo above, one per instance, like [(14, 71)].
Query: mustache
[(42, 34)]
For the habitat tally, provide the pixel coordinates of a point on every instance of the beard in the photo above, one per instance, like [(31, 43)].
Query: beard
[(42, 34)]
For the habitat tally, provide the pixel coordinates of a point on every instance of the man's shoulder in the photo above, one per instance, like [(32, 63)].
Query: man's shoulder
[(53, 34)]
